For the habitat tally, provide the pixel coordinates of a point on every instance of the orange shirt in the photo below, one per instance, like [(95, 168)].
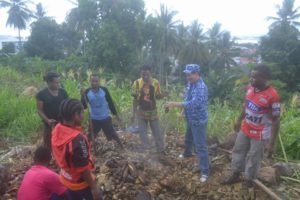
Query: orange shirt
[(71, 151), (260, 109)]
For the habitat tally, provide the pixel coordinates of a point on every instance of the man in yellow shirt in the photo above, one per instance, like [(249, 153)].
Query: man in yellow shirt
[(145, 92)]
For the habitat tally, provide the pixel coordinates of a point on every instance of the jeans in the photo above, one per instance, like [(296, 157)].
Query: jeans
[(156, 133), (247, 155), (196, 135)]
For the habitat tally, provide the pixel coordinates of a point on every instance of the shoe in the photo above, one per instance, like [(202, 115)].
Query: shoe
[(182, 156), (231, 179), (203, 178)]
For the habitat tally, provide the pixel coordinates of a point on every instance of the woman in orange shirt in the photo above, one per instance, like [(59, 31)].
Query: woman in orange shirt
[(71, 151)]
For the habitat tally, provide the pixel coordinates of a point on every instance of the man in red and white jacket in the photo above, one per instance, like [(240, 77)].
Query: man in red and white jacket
[(258, 127)]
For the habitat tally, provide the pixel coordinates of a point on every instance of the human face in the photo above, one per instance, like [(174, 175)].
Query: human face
[(95, 82), (146, 75), (54, 84), (78, 118), (256, 80), (192, 77)]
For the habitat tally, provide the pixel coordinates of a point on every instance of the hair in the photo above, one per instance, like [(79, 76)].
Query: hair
[(94, 75), (50, 76), (42, 155), (68, 108), (264, 71), (146, 68)]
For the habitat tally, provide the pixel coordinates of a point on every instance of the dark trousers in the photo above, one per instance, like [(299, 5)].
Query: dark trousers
[(47, 133), (107, 127), (156, 133), (84, 194)]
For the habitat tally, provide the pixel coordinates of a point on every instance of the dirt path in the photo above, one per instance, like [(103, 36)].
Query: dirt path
[(133, 174)]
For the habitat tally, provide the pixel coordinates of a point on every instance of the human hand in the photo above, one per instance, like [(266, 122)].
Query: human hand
[(269, 150), (51, 122), (82, 91), (237, 126), (97, 194), (172, 104)]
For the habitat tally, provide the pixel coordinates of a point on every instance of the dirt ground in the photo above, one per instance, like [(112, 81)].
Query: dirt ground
[(135, 174)]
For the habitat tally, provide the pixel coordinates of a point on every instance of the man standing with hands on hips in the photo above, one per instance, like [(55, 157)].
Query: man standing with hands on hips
[(195, 106)]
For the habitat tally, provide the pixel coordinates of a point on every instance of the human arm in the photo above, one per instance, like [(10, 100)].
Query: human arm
[(158, 93), (53, 184), (110, 102), (199, 97), (274, 133), (275, 111), (84, 99), (81, 161), (173, 104), (238, 123), (88, 177)]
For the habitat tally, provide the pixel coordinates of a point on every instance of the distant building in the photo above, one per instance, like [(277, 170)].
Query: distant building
[(248, 54), (6, 39)]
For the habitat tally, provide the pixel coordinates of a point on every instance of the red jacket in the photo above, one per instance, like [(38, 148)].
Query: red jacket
[(62, 141)]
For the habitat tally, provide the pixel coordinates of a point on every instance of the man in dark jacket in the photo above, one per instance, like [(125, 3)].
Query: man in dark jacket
[(101, 104)]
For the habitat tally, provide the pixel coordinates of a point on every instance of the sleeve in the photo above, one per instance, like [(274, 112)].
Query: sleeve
[(200, 97), (84, 99), (80, 152), (110, 102), (40, 96), (53, 184), (65, 94), (157, 90), (275, 105), (134, 88)]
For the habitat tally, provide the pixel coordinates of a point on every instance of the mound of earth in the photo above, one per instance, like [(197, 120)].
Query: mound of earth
[(136, 174)]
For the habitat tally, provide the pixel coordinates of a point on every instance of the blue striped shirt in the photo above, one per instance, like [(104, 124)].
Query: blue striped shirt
[(196, 103)]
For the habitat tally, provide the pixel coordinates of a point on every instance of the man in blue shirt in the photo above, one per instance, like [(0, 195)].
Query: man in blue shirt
[(196, 112), (101, 105)]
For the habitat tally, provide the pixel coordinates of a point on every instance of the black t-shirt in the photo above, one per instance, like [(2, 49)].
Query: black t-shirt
[(51, 103)]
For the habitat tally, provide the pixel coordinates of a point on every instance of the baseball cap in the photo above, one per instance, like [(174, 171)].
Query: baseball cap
[(191, 68)]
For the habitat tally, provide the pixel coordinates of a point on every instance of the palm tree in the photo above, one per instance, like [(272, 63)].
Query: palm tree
[(287, 15), (225, 51), (40, 11), (82, 18), (214, 35), (194, 49), (167, 37), (18, 14)]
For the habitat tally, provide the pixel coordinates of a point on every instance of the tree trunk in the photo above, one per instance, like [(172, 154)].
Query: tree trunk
[(20, 39)]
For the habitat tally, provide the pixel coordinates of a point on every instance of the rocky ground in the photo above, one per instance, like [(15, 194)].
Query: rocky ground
[(134, 174)]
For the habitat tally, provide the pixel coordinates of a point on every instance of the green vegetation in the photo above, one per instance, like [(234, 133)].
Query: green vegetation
[(115, 37), (20, 122)]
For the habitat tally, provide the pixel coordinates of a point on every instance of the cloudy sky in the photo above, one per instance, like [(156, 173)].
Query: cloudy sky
[(241, 17)]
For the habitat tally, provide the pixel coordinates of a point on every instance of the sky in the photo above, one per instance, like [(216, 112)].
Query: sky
[(240, 17)]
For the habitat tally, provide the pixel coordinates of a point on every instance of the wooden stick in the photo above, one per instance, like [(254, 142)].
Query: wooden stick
[(290, 179), (225, 150), (266, 189)]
